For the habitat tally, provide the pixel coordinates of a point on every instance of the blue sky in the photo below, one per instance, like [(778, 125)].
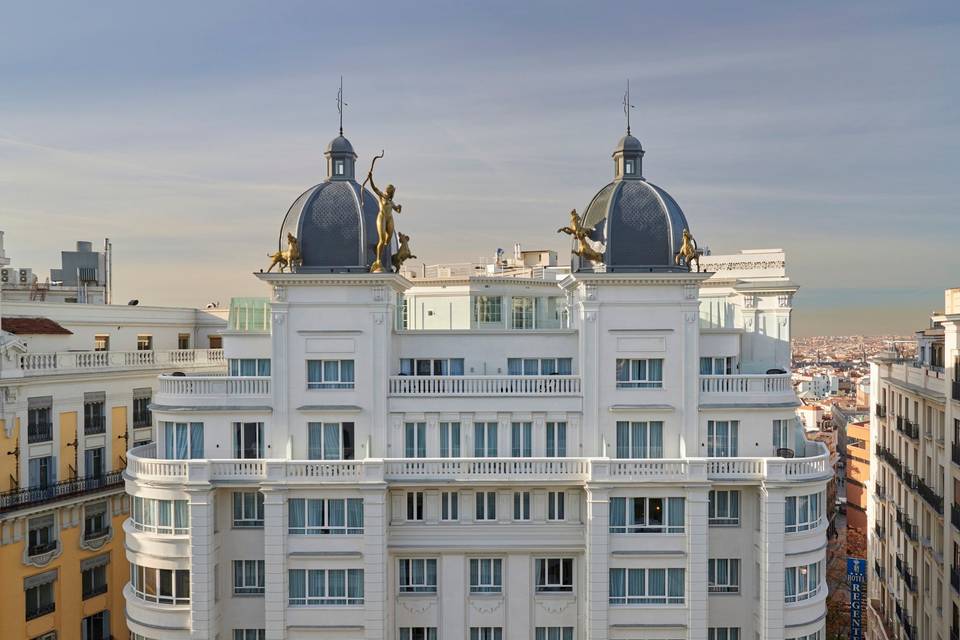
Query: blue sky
[(184, 131)]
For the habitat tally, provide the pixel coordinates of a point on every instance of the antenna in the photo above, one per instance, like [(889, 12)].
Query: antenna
[(627, 106), (341, 104)]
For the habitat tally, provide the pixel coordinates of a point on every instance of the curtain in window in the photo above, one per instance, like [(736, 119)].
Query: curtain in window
[(734, 445), (618, 512), (355, 584), (790, 511), (656, 440), (314, 371), (635, 586), (331, 441), (298, 586), (514, 366), (331, 370), (531, 366), (168, 440), (181, 451), (617, 583), (639, 437), (296, 513), (676, 579), (456, 366), (248, 367), (421, 439), (548, 366), (565, 366), (790, 576), (431, 572), (706, 366), (314, 440), (405, 572), (675, 513), (734, 572), (803, 513), (315, 513), (196, 440), (551, 440), (316, 586), (623, 439), (337, 587), (655, 370), (657, 582), (355, 513), (336, 513), (164, 513), (263, 367), (346, 371)]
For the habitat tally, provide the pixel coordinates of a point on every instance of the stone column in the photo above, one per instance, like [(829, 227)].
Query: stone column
[(597, 562), (772, 523), (697, 503), (275, 561), (203, 613)]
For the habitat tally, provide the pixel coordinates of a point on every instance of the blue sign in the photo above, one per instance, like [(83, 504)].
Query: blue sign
[(857, 579)]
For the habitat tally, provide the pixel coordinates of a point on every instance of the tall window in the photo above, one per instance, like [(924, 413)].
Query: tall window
[(248, 367), (522, 313), (486, 505), (93, 576), (330, 516), (486, 633), (431, 366), (640, 374), (330, 440), (330, 374), (248, 440), (101, 342), (95, 522), (488, 309), (183, 441), (722, 438), (724, 508), (42, 471), (248, 577), (521, 438), (414, 506), (142, 417), (418, 633), (486, 575), (94, 416), (802, 582), (647, 515), (38, 592), (449, 506), (723, 633), (41, 535), (247, 510), (555, 506), (556, 439), (803, 512), (418, 575), (144, 342), (539, 366), (718, 366), (183, 341), (449, 439), (781, 434), (521, 506), (647, 586), (640, 439), (311, 587), (245, 634), (162, 517), (39, 421), (415, 440), (554, 633), (485, 439), (723, 575), (93, 464), (554, 574), (162, 586)]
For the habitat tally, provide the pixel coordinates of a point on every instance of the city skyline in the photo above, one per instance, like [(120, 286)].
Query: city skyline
[(773, 127)]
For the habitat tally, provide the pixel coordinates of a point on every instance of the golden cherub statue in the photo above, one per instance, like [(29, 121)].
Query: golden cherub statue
[(581, 233), (385, 227), (688, 252), (289, 258)]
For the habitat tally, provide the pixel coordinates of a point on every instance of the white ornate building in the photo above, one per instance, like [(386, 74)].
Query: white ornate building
[(492, 457)]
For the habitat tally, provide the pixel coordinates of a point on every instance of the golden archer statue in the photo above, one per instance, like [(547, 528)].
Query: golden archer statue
[(688, 252), (581, 233), (385, 227)]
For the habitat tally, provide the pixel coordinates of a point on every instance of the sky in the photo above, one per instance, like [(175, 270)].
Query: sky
[(184, 131)]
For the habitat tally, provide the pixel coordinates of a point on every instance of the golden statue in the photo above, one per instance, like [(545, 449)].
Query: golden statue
[(579, 232), (403, 252), (385, 226), (289, 258), (688, 252)]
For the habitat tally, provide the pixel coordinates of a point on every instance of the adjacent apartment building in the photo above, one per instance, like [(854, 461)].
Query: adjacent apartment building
[(914, 516), (491, 455)]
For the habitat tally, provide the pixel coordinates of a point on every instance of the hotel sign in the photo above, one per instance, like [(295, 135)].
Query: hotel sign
[(857, 579)]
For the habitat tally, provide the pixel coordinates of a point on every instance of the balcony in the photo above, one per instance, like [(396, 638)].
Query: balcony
[(903, 570), (910, 529), (213, 391), (955, 384), (41, 610), (60, 362), (879, 491), (94, 425), (930, 496), (494, 386), (880, 410), (907, 428), (878, 531), (746, 389), (33, 496), (39, 432), (40, 549), (878, 569)]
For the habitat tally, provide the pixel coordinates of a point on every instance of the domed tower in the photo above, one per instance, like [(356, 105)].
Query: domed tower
[(335, 225), (636, 225)]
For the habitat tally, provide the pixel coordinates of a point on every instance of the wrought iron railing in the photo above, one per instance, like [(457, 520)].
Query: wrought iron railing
[(32, 496)]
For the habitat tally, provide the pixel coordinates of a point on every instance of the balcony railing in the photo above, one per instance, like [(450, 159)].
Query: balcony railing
[(903, 521), (878, 569), (878, 531), (41, 610), (93, 591), (879, 491), (39, 432), (465, 386), (175, 390), (930, 496), (903, 569), (94, 425), (74, 361), (32, 496), (880, 410), (907, 428), (40, 549)]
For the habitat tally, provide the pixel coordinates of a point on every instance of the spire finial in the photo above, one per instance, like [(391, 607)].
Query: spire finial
[(341, 104), (627, 106)]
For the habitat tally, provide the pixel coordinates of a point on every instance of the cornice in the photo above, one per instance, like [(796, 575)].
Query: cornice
[(393, 280)]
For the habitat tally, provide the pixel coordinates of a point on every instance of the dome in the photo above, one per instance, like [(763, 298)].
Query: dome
[(337, 234), (636, 225)]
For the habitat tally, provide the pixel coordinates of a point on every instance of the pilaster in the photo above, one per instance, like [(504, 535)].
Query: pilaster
[(697, 504), (772, 523), (275, 561), (202, 558), (597, 560), (375, 558)]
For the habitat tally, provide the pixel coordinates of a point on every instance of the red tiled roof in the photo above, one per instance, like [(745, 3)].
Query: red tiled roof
[(33, 326)]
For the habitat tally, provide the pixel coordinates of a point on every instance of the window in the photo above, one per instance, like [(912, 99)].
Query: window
[(418, 575), (418, 633), (781, 434), (330, 374), (449, 439), (310, 587), (41, 536), (449, 505), (38, 590), (488, 309), (247, 510), (718, 366), (486, 633), (414, 506), (485, 439), (803, 512), (539, 366), (94, 417), (723, 575), (96, 626), (95, 521), (555, 504), (101, 342), (628, 167), (431, 366), (522, 313), (182, 441), (723, 633), (640, 374), (93, 462), (486, 505), (162, 586), (338, 167), (521, 437), (93, 575), (415, 439), (41, 472), (554, 574), (248, 367), (647, 586), (722, 438), (647, 515), (486, 575), (554, 633), (521, 506), (142, 417), (556, 439), (802, 582), (640, 439), (816, 634), (183, 341), (163, 517), (144, 342), (248, 440), (331, 516), (249, 634), (248, 577), (39, 422), (724, 508), (330, 440)]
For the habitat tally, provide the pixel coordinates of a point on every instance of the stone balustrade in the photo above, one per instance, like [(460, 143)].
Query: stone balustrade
[(60, 362)]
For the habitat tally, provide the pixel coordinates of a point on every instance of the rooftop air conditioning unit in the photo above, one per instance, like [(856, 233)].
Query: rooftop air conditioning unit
[(6, 275), (25, 275)]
